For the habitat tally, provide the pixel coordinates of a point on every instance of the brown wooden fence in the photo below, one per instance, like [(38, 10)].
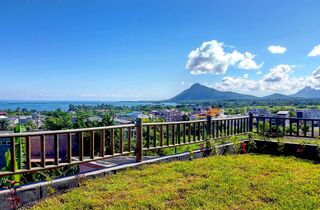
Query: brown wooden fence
[(54, 149), (286, 126)]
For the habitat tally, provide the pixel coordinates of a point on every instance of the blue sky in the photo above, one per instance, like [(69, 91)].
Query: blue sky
[(140, 50)]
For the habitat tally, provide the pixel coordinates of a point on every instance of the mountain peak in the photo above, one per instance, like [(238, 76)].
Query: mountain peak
[(198, 92), (307, 92), (197, 85)]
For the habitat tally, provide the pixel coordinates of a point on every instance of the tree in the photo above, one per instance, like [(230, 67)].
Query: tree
[(4, 124), (58, 120), (30, 125)]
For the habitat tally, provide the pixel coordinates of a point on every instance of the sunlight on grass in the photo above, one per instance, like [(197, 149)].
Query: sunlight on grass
[(220, 182)]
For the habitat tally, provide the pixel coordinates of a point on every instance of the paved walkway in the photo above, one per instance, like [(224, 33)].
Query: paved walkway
[(111, 162)]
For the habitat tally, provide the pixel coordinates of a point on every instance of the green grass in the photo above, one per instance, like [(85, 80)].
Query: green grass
[(219, 182)]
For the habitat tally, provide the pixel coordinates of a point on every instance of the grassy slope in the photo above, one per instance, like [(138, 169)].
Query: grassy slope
[(220, 182)]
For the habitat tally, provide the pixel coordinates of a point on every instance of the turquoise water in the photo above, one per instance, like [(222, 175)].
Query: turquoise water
[(64, 105)]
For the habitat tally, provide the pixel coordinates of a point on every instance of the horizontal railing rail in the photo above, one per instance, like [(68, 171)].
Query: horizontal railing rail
[(286, 126), (54, 149)]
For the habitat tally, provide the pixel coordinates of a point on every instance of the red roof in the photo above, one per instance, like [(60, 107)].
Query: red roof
[(3, 113)]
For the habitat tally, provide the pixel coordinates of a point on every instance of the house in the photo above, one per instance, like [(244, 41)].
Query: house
[(308, 114), (94, 119), (14, 120), (259, 112), (3, 113), (283, 114), (24, 119), (169, 115), (120, 121), (215, 112), (2, 117), (136, 114)]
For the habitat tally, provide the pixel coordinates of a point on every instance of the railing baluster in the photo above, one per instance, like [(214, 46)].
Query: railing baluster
[(28, 152), (184, 133), (81, 147), (92, 144), (199, 129), (228, 127), (103, 143), (148, 136), (155, 136), (203, 131), (298, 128), (305, 128), (290, 128), (161, 135), (189, 132), (178, 134), (213, 129), (277, 126), (168, 134), (129, 139), (69, 147), (13, 154), (121, 140), (43, 150), (312, 129), (139, 143), (56, 149), (111, 143), (194, 132), (217, 128), (173, 134)]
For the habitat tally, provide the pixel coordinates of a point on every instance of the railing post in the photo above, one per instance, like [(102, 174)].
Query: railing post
[(250, 122), (139, 144), (209, 128)]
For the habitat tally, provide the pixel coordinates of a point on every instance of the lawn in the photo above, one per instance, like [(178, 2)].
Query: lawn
[(219, 182)]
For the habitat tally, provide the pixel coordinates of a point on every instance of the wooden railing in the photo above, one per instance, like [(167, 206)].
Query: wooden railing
[(55, 149), (286, 126)]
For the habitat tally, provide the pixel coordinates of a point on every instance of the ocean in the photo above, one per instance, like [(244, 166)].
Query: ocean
[(64, 105)]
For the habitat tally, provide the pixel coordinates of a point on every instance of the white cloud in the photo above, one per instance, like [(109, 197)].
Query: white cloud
[(315, 51), (278, 73), (259, 72), (276, 49), (277, 80), (210, 57), (183, 83), (248, 63)]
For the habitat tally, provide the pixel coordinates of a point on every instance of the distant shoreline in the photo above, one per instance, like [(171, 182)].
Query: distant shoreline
[(50, 105)]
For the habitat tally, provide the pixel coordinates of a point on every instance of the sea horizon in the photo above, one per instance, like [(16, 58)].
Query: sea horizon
[(50, 105)]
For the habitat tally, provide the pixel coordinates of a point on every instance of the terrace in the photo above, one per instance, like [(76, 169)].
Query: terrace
[(95, 148)]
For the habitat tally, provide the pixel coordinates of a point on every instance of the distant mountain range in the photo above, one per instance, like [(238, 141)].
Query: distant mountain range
[(198, 92), (307, 92)]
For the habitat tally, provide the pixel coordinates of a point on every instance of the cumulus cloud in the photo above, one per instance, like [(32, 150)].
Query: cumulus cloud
[(278, 79), (315, 51), (278, 73), (210, 57), (276, 49)]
